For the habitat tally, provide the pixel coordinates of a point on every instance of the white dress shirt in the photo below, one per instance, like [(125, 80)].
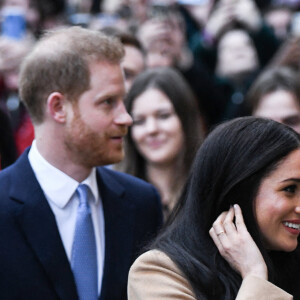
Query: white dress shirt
[(59, 190)]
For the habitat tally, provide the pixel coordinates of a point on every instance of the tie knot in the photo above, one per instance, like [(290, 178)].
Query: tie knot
[(83, 192)]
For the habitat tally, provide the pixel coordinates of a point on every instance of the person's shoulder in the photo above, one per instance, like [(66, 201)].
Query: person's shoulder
[(138, 189), (19, 168), (7, 186), (142, 195), (125, 179), (6, 175), (155, 276), (156, 257)]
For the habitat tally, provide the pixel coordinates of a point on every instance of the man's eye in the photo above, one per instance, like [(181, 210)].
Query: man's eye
[(108, 101)]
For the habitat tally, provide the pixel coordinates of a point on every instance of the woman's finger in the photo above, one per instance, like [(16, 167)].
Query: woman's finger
[(216, 240), (239, 220), (218, 224), (228, 224)]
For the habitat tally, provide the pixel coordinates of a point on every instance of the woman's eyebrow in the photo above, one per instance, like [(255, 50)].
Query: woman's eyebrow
[(291, 179)]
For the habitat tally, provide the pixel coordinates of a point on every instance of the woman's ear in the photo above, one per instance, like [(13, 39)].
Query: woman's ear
[(56, 106)]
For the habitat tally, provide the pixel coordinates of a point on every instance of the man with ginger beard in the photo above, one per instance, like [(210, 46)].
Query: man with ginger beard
[(72, 85)]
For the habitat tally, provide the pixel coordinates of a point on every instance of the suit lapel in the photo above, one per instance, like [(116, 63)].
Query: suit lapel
[(119, 215), (37, 222)]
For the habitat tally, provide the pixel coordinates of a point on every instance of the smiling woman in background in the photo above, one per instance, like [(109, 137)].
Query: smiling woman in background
[(276, 95), (165, 134)]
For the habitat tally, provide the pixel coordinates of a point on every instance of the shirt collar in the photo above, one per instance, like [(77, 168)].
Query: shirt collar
[(58, 186)]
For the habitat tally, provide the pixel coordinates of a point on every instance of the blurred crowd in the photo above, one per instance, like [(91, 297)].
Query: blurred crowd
[(221, 59)]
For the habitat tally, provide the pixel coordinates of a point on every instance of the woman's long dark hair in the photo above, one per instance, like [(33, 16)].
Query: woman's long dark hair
[(228, 169)]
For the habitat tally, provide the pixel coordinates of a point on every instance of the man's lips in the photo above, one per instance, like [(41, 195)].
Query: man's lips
[(118, 135), (117, 138)]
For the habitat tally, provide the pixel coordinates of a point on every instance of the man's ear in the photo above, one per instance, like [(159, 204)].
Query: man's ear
[(56, 106)]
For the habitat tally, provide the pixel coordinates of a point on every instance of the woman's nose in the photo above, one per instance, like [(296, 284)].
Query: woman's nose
[(151, 126)]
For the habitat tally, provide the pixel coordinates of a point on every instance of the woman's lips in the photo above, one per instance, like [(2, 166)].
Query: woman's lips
[(155, 144), (292, 226)]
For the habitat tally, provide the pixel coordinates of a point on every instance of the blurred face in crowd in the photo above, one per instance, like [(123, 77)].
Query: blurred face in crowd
[(279, 19), (200, 9), (159, 57), (133, 63), (17, 3), (280, 106), (277, 205), (98, 122), (236, 54), (81, 6), (165, 48), (157, 130), (26, 7)]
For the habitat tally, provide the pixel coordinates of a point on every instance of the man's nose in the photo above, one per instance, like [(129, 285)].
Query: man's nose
[(123, 117)]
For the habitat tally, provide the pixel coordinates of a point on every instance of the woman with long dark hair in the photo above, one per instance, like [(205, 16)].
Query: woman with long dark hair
[(166, 132), (234, 234)]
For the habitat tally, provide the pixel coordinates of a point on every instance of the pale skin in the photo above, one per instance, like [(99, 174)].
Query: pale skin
[(133, 63), (236, 245), (94, 126), (227, 11), (159, 137), (281, 106)]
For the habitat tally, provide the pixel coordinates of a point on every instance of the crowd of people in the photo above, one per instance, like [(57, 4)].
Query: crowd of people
[(207, 186), (218, 46)]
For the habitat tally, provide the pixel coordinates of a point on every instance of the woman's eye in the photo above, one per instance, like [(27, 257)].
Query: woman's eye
[(164, 116), (290, 189), (138, 121)]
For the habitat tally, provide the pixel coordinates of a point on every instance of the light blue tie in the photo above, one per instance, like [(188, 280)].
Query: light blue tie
[(84, 255)]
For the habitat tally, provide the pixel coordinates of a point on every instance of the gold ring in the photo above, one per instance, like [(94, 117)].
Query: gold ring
[(220, 233)]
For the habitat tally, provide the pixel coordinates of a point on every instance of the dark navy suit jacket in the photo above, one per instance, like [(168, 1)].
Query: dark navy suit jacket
[(33, 262)]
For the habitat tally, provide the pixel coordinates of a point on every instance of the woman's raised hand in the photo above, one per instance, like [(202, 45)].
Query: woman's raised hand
[(236, 245)]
